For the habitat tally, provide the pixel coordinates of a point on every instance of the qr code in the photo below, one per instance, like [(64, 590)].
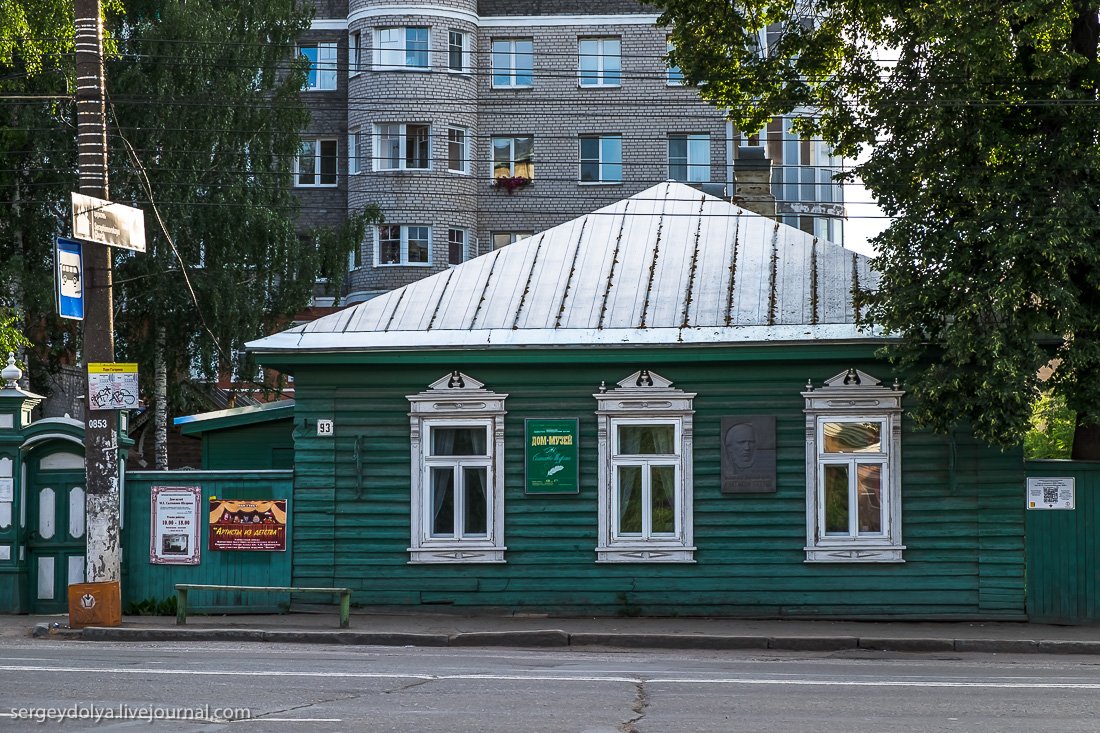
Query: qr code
[(1050, 494)]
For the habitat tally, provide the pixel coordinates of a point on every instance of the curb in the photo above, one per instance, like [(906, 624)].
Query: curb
[(556, 638)]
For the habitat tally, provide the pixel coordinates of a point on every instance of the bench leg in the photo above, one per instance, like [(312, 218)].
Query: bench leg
[(181, 606), (345, 610)]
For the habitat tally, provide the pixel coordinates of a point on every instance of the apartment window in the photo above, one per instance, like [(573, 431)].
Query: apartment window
[(355, 152), (404, 244), (645, 471), (458, 150), (457, 442), (689, 158), (316, 163), (853, 477), (355, 50), (673, 75), (600, 62), (402, 146), (601, 159), (458, 51), (513, 156), (322, 66), (457, 246), (401, 48), (513, 62), (503, 239)]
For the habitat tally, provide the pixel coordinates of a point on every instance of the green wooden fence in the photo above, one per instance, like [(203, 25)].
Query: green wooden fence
[(1063, 549), (142, 580)]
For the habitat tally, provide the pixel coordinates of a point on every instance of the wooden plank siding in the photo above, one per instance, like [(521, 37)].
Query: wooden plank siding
[(964, 534)]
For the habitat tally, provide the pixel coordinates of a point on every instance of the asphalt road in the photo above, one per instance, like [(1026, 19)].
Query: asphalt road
[(296, 688)]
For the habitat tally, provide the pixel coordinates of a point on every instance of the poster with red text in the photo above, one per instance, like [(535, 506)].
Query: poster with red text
[(237, 524)]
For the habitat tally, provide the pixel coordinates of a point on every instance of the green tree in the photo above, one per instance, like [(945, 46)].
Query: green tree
[(980, 130)]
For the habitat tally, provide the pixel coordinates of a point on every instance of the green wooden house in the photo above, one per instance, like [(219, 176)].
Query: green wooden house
[(663, 407)]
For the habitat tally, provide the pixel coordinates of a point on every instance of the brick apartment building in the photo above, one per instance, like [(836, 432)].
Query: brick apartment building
[(472, 124)]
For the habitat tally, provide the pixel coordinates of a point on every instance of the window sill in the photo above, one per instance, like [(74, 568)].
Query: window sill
[(599, 183), (403, 264), (412, 69), (645, 553), (401, 170), (316, 185), (512, 88), (854, 552), (599, 86), (455, 556)]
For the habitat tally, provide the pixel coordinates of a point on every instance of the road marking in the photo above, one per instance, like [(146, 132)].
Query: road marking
[(807, 682)]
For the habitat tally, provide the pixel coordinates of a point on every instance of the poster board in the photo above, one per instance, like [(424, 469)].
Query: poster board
[(248, 525), (551, 456), (174, 525), (1050, 492)]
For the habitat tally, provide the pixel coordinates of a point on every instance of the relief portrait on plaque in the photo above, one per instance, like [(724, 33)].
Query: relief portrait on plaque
[(748, 454)]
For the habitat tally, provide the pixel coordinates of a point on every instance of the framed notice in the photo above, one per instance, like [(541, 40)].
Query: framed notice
[(1047, 492), (258, 525), (550, 456), (174, 525)]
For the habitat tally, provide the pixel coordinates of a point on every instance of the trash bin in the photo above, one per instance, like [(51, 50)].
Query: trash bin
[(95, 604)]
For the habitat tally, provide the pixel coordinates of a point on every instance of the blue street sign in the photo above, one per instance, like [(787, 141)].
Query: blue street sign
[(70, 279)]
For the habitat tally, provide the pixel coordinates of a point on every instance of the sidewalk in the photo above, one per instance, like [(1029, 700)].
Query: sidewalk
[(392, 627)]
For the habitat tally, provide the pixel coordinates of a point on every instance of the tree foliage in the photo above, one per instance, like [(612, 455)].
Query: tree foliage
[(979, 126)]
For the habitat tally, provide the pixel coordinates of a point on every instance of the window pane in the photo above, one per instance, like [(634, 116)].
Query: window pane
[(443, 502), (612, 158), (525, 63), (590, 159), (458, 441), (475, 515), (416, 146), (456, 246), (588, 50), (456, 45), (306, 162), (647, 440), (416, 47), (328, 162), (611, 65), (389, 245), (524, 152), (389, 146), (677, 158), (869, 491), (853, 437), (630, 499), (836, 500), (502, 157), (418, 244), (310, 52), (456, 149), (502, 63), (699, 158), (662, 494)]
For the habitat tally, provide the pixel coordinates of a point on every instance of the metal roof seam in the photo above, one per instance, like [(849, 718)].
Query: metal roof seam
[(773, 276), (733, 269), (439, 302), (653, 261), (527, 284), (814, 300), (396, 307), (614, 262), (485, 289), (572, 272), (693, 266)]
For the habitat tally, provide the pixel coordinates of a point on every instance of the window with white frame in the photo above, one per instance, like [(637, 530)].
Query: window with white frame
[(458, 150), (689, 158), (673, 75), (645, 471), (513, 157), (402, 146), (601, 159), (404, 244), (355, 152), (315, 164), (401, 48), (457, 244), (355, 53), (322, 66), (457, 437), (503, 239), (853, 474), (458, 51), (513, 62), (600, 61)]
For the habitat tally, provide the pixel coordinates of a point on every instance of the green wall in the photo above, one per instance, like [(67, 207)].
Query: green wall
[(267, 445), (962, 503)]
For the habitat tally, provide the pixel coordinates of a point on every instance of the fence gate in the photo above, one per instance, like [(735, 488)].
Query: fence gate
[(1063, 549)]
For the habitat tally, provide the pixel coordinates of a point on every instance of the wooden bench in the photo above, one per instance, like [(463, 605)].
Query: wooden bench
[(183, 588)]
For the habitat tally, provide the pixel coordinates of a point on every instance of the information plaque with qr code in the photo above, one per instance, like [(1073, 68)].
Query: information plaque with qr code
[(1048, 492)]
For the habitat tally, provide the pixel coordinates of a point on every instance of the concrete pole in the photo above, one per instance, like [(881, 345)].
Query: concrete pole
[(104, 548)]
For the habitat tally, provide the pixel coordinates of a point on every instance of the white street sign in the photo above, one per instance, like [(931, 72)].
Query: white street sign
[(115, 225)]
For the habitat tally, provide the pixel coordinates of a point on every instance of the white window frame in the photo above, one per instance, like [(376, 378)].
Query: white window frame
[(355, 152), (511, 155), (403, 260), (603, 162), (456, 400), (854, 396), (381, 161), (697, 171), (513, 237), (322, 70), (464, 245), (316, 143), (601, 75), (355, 53), (464, 166), (644, 398), (464, 51), (511, 72), (391, 48)]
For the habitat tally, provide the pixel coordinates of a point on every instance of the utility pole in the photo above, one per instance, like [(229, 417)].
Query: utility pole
[(102, 508)]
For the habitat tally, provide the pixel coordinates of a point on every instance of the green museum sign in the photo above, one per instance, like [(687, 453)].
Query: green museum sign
[(551, 456)]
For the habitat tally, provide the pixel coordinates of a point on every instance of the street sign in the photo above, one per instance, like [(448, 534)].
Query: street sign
[(112, 386), (115, 225), (69, 275)]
